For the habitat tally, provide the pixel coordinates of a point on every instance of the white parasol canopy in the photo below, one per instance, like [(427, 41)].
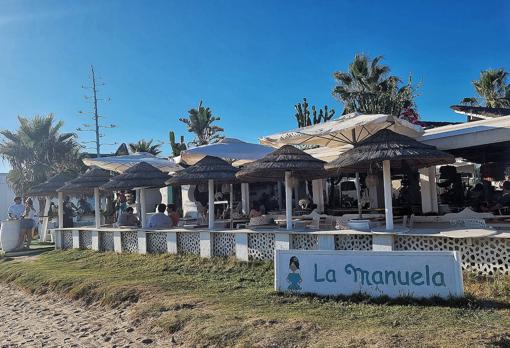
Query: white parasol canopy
[(122, 163), (227, 149), (348, 129)]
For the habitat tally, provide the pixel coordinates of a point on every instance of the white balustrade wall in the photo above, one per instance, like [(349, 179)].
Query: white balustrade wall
[(484, 256)]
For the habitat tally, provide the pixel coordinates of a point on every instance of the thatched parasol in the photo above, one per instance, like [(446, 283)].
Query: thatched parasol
[(141, 175), (393, 150), (209, 169), (286, 159), (87, 183), (282, 164), (399, 149), (93, 178), (49, 188)]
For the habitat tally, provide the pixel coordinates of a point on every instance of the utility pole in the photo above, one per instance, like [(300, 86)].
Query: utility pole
[(95, 114)]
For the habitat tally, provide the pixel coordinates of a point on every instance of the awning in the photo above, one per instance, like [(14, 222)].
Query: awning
[(122, 163), (348, 129)]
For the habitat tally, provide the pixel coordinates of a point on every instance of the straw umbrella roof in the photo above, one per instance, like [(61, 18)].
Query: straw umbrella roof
[(388, 145), (141, 175), (287, 158), (208, 168), (87, 182), (49, 188)]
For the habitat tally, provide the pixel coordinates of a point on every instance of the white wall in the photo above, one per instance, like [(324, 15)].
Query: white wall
[(6, 196)]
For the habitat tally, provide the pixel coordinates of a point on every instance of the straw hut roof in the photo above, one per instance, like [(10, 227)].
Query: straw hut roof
[(287, 158), (87, 182), (141, 175), (208, 168), (388, 145), (49, 188)]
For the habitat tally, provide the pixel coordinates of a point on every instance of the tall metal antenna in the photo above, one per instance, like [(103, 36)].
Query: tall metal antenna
[(95, 114)]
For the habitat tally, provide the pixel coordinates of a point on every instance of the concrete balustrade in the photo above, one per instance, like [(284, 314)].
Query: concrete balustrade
[(488, 255)]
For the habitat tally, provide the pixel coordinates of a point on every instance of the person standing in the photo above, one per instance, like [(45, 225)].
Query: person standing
[(69, 209), (17, 209), (28, 223)]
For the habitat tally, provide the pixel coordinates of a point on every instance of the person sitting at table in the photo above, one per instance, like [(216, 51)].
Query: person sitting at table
[(127, 218), (254, 212), (504, 200), (174, 215), (160, 219)]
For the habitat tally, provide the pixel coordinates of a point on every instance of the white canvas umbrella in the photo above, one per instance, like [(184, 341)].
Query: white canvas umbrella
[(349, 129), (120, 164)]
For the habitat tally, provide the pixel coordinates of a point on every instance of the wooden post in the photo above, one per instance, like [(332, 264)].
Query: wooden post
[(211, 203), (143, 208), (61, 210), (43, 233), (97, 208), (388, 204), (231, 206), (288, 201)]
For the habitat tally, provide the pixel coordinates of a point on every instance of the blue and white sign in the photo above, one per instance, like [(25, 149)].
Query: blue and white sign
[(392, 273)]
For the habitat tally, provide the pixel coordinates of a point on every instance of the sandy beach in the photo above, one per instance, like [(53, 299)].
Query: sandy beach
[(47, 321)]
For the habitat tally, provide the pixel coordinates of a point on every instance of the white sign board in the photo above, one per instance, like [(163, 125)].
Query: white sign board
[(376, 273)]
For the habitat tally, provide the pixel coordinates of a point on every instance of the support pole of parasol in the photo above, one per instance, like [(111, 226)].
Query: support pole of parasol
[(245, 198), (231, 206), (61, 210), (288, 201), (358, 196), (388, 205), (143, 208), (44, 229), (211, 203), (97, 209)]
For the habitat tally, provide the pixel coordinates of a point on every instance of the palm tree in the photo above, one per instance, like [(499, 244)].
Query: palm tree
[(37, 150), (367, 88), (145, 146), (492, 89), (200, 121)]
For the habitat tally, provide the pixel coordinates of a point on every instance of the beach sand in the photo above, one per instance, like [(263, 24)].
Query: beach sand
[(47, 321)]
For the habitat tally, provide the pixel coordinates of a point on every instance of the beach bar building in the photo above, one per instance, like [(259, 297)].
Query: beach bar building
[(483, 238)]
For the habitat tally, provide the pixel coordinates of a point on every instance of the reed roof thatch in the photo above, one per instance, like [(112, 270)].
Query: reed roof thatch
[(141, 175), (208, 168), (49, 187), (287, 158), (399, 149), (93, 178)]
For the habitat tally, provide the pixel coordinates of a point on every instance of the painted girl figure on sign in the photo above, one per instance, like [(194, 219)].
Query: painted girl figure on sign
[(294, 277)]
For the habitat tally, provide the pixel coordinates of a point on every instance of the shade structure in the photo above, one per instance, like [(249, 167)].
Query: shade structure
[(87, 182), (122, 163), (208, 168), (273, 166), (50, 187), (283, 164), (392, 149), (349, 129), (141, 175), (229, 149), (388, 145)]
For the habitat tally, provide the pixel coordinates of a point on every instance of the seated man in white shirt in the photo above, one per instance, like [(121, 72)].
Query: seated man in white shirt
[(17, 209), (160, 219)]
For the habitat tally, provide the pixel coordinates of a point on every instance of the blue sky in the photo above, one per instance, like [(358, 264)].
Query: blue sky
[(250, 61)]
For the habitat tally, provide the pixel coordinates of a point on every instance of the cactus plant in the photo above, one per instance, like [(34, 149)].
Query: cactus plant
[(303, 114), (176, 147)]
